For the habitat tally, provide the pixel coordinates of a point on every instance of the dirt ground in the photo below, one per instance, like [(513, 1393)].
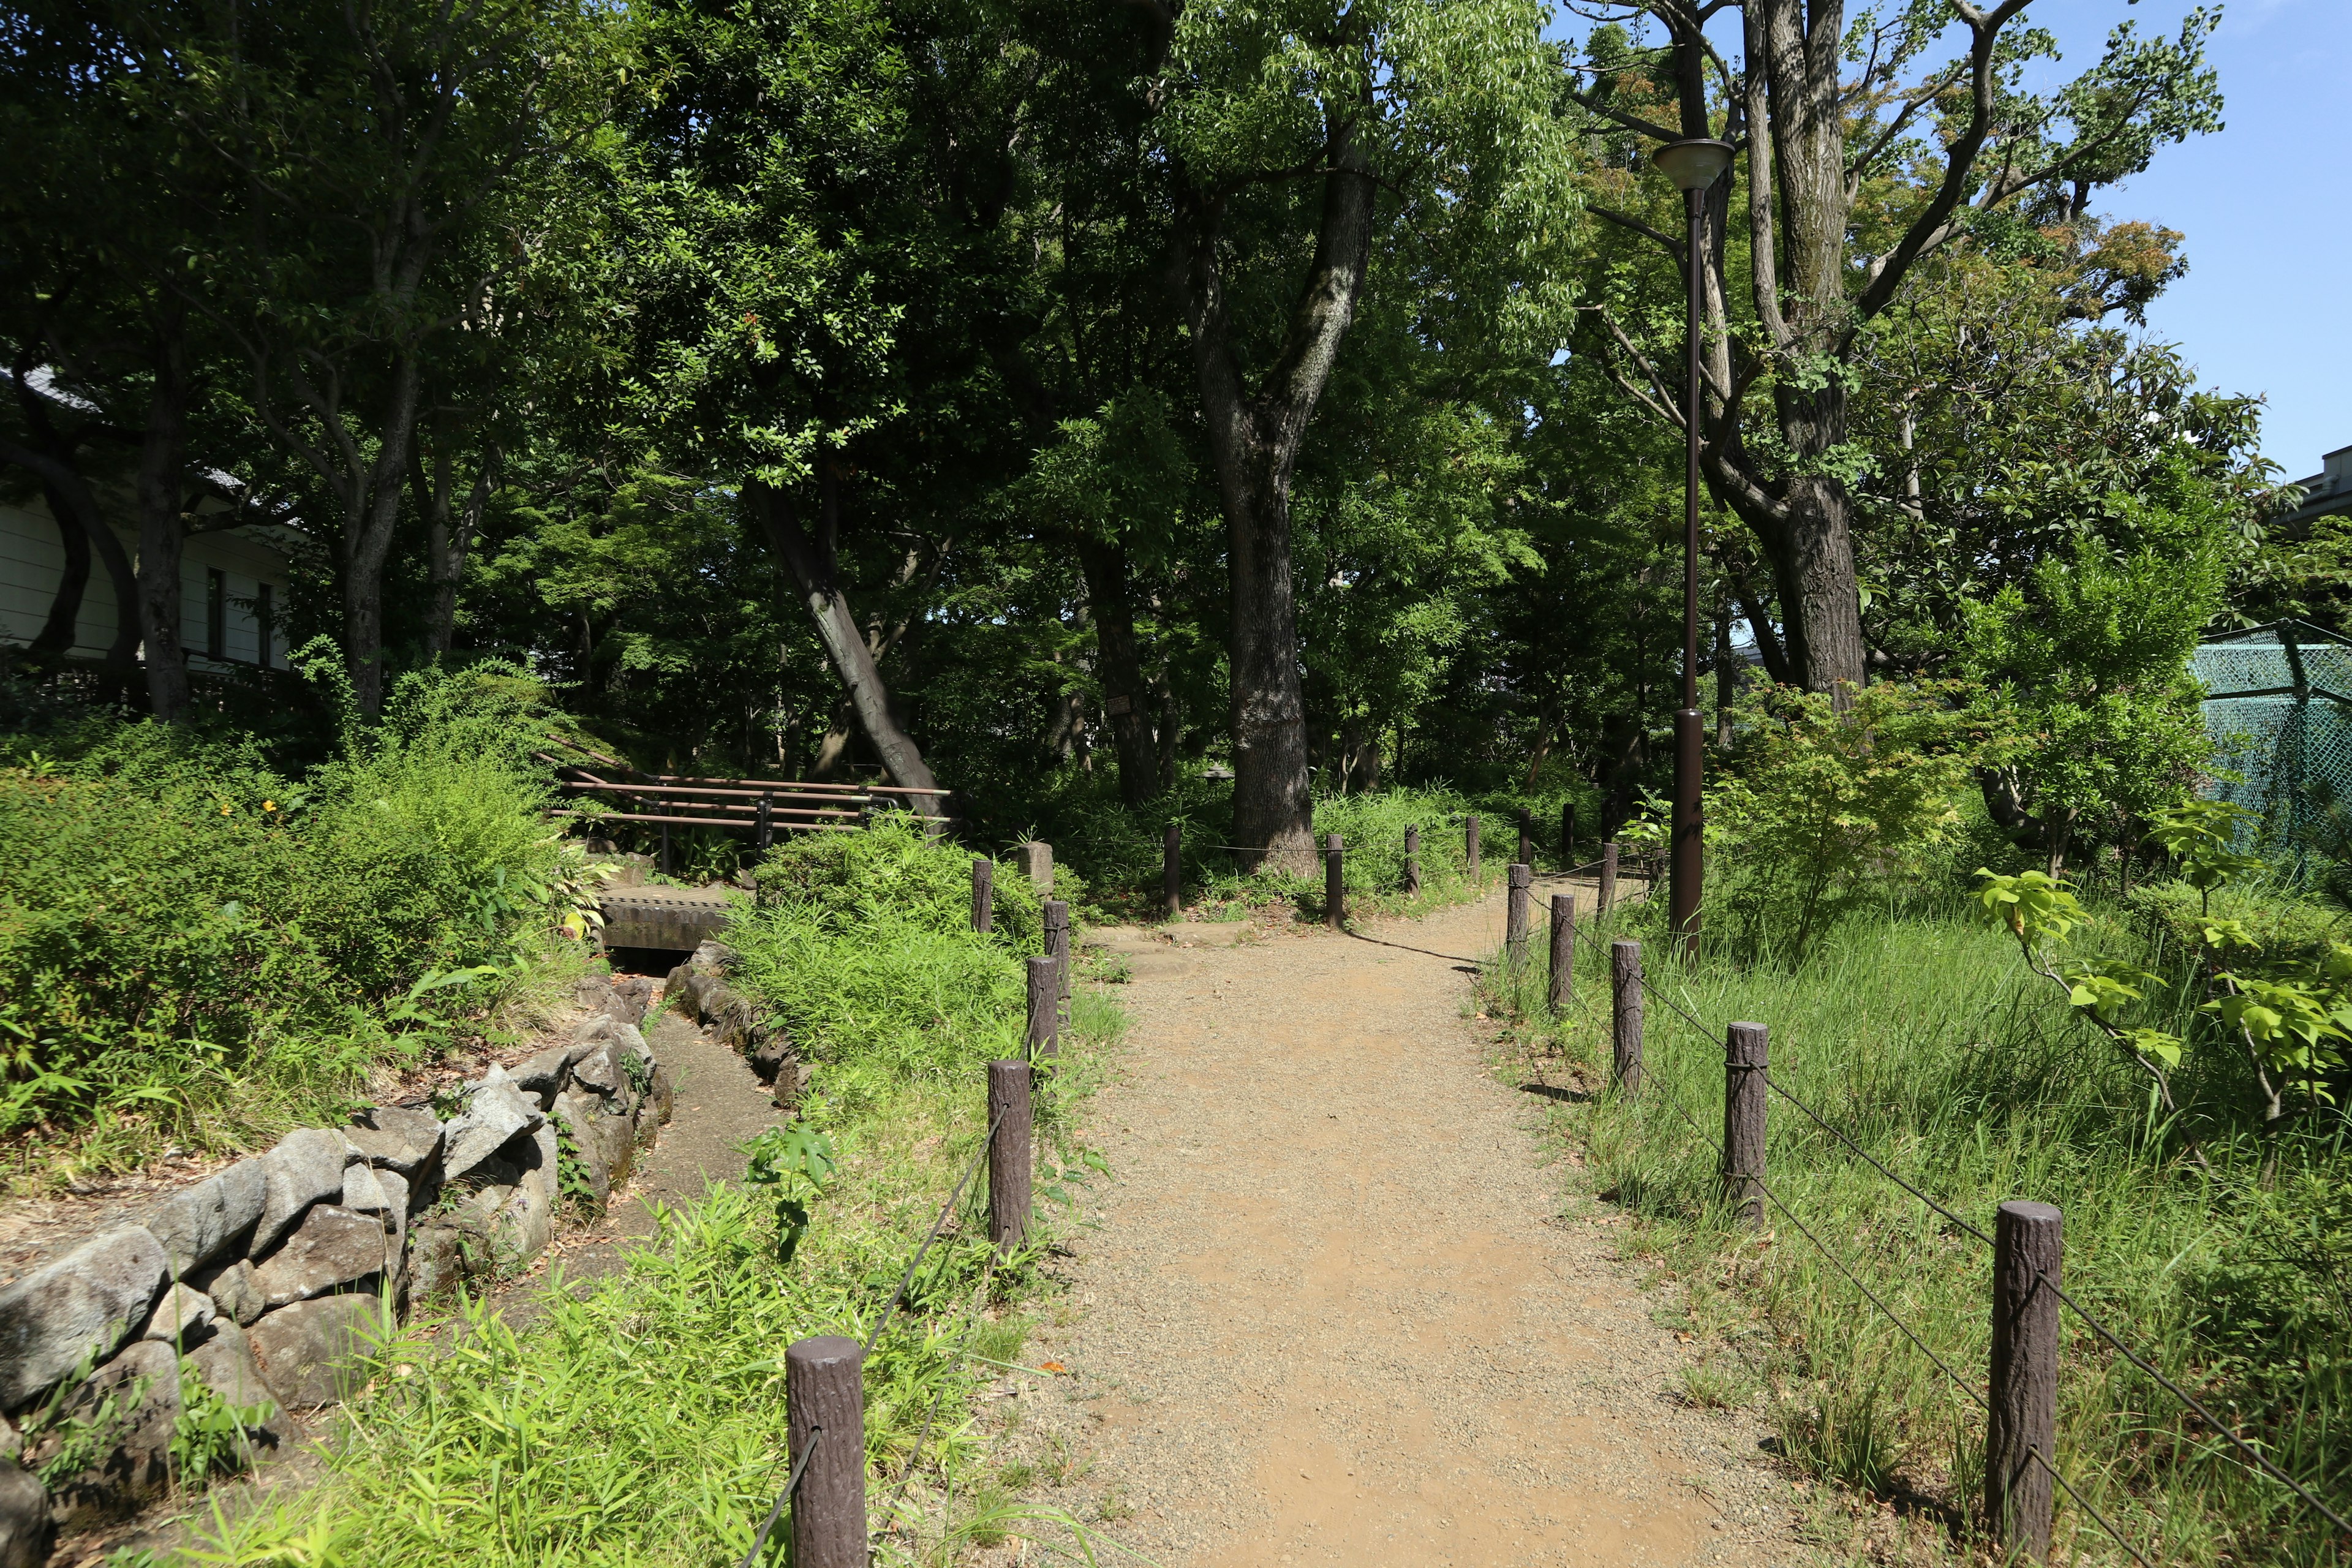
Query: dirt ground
[(1334, 1311)]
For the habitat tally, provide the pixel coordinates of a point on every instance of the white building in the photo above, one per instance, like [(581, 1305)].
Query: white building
[(232, 589)]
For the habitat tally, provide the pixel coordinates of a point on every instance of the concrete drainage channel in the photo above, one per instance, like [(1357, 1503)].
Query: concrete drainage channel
[(252, 1289)]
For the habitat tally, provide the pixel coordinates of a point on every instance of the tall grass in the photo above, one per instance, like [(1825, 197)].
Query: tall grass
[(1919, 1036), (642, 1422)]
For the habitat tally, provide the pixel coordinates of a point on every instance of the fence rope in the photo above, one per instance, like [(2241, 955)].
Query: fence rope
[(2191, 1401), (800, 1466), (1941, 1365), (2251, 1453), (938, 1225), (1824, 1124)]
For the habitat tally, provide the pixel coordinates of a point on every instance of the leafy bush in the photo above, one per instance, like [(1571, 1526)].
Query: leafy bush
[(1824, 808), (191, 937), (863, 947)]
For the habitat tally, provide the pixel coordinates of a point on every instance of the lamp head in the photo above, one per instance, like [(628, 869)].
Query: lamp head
[(1695, 164)]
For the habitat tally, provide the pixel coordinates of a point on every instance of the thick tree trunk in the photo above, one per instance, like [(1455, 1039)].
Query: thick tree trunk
[(56, 637), (447, 540), (1829, 600), (163, 458), (844, 644), (1272, 803), (1124, 700), (1253, 441)]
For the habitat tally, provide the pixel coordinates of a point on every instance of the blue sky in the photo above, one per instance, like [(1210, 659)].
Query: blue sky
[(2267, 207)]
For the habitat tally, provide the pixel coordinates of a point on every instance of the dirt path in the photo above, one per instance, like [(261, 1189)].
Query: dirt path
[(1336, 1313)]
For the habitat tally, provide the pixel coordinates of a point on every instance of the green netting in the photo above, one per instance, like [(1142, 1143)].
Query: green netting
[(2278, 705)]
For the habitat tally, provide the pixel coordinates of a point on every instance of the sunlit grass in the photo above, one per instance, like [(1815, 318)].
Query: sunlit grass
[(1920, 1036)]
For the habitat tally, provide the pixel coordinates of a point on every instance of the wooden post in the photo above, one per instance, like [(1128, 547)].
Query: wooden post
[(1171, 869), (1008, 1156), (1335, 884), (983, 894), (1526, 836), (767, 823), (1518, 912), (2027, 1246), (1626, 1013), (1411, 861), (1563, 952), (824, 1403), (1057, 944), (1743, 1122), (665, 849), (1044, 1008), (1470, 846), (1608, 876), (1567, 834)]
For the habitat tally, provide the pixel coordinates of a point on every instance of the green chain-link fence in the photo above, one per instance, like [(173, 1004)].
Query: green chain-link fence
[(2278, 704)]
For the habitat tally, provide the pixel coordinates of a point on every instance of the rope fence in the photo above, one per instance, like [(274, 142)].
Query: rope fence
[(2025, 1248)]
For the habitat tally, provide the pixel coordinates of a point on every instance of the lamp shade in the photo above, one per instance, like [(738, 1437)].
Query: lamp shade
[(1694, 165)]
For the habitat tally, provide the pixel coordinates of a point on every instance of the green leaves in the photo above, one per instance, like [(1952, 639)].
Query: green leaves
[(2202, 834), (2294, 1029), (794, 1161), (2038, 909)]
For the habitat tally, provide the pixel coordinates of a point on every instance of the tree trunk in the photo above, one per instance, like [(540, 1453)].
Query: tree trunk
[(368, 537), (844, 644), (162, 456), (1125, 699), (1253, 441), (1273, 802), (446, 539)]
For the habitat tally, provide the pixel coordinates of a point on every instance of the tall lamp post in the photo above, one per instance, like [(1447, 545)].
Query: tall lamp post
[(1693, 166)]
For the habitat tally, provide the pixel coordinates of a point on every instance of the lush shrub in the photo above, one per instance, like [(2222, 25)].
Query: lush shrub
[(189, 935), (862, 946), (1825, 809)]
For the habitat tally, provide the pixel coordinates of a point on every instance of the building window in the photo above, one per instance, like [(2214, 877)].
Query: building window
[(265, 609), (215, 612)]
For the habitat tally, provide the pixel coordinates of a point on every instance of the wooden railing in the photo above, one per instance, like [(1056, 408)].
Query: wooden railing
[(761, 806)]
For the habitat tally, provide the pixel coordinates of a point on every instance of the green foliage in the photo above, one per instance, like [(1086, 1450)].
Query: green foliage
[(1826, 807), (1919, 1037), (191, 937), (863, 948), (212, 1437), (794, 1161), (2088, 665)]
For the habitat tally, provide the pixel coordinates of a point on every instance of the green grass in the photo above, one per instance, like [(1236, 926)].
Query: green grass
[(200, 946), (1920, 1035), (644, 1422)]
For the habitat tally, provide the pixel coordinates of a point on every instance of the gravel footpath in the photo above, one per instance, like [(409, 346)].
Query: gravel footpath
[(1334, 1311)]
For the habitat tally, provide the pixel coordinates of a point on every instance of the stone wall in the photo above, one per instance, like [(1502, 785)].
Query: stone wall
[(258, 1285)]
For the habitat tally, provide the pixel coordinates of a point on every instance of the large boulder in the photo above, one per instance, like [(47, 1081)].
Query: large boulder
[(542, 1076), (580, 1117), (127, 1410), (495, 1112), (331, 1250), (305, 1168), (198, 1224), (311, 1351), (24, 1528), (83, 1305), (525, 1223), (397, 1138)]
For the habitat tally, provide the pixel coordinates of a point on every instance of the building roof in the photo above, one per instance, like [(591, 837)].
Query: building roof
[(2325, 493)]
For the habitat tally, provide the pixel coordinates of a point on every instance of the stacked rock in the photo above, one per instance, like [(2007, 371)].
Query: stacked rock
[(266, 1285)]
